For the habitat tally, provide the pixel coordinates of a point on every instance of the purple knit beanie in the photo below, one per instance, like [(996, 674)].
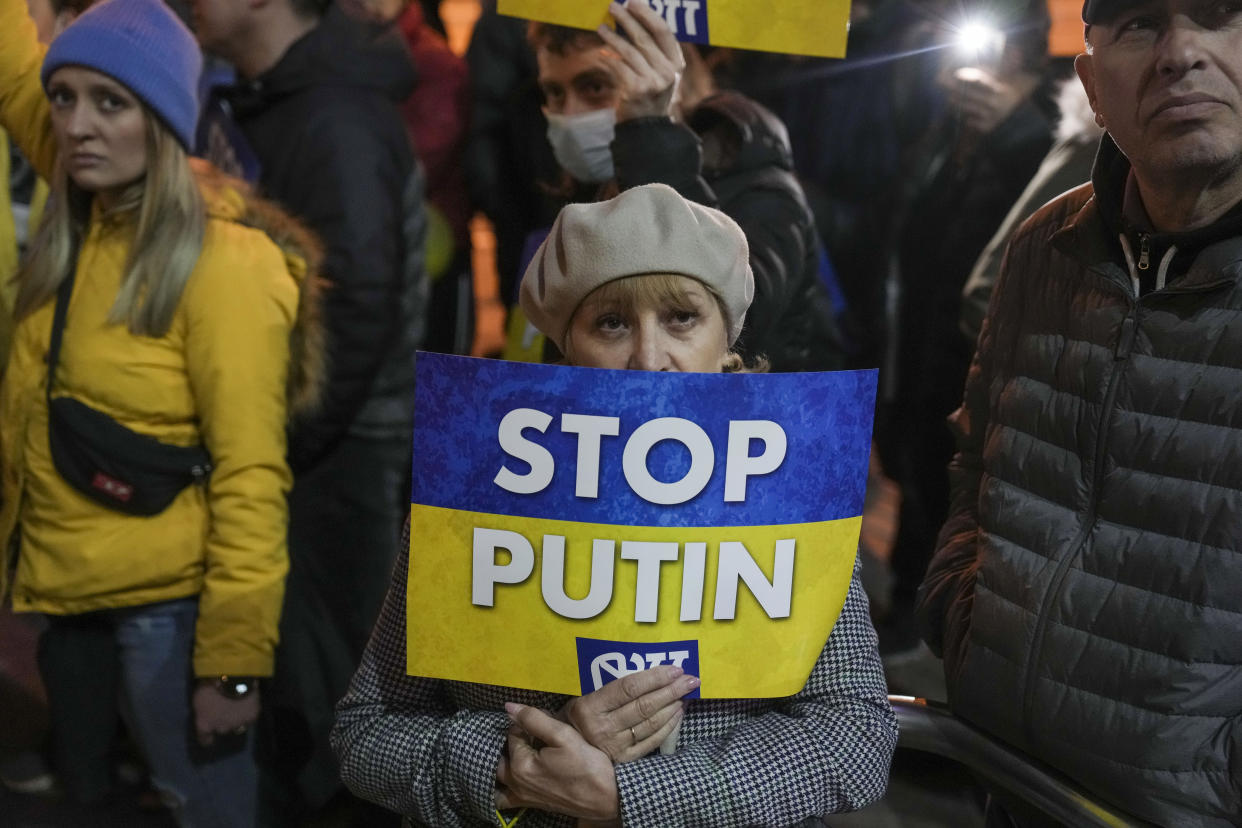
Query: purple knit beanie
[(145, 47)]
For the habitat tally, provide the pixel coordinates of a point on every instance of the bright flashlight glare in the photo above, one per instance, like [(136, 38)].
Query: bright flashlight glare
[(978, 40)]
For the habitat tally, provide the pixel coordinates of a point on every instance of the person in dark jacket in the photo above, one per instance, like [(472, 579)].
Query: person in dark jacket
[(436, 116), (853, 123), (506, 151), (609, 104), (975, 163), (316, 109), (1067, 165), (1086, 589)]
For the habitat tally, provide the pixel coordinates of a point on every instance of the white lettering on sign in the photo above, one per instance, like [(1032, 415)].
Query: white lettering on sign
[(615, 664), (542, 466), (693, 565), (603, 557), (691, 8), (649, 556), (735, 566), (668, 10), (590, 429), (740, 464), (645, 437), (488, 573)]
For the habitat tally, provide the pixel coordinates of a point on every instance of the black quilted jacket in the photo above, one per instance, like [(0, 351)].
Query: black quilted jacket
[(334, 151), (1087, 589), (790, 321)]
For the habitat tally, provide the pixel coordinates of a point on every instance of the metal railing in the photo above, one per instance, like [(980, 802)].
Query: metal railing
[(931, 728)]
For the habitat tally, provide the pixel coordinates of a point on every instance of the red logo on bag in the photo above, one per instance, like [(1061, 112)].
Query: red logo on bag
[(113, 488)]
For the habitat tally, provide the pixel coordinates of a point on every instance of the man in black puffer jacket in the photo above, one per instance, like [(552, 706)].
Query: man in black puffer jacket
[(1087, 589), (747, 171), (730, 153), (316, 110)]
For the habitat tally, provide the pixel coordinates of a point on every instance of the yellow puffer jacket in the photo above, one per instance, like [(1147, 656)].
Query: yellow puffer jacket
[(217, 377)]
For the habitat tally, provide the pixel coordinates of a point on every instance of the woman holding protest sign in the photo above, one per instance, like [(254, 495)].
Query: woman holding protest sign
[(645, 281)]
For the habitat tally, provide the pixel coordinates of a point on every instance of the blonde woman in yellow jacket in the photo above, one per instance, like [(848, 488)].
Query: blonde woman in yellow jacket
[(178, 328)]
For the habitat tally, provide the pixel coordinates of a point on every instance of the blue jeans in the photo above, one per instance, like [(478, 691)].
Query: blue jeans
[(212, 787)]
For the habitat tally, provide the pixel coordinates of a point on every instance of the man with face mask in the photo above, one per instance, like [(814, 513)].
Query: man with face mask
[(609, 100)]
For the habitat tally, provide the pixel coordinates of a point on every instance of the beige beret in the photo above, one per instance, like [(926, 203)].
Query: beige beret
[(648, 229)]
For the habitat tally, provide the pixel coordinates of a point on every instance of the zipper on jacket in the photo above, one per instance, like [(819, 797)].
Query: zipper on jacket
[(1136, 287), (1144, 261), (1125, 343)]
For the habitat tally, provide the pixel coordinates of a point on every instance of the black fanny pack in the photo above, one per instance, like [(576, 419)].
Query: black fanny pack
[(106, 461)]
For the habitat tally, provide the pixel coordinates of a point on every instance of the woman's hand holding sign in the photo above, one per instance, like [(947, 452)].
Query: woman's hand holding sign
[(630, 717), (550, 767), (650, 60), (564, 763)]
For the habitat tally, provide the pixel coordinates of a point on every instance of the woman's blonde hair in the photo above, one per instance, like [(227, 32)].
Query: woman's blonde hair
[(632, 292), (166, 212)]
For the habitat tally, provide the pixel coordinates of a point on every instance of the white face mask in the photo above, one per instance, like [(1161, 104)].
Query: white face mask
[(582, 143)]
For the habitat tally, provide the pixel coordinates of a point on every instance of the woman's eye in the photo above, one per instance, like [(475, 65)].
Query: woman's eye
[(684, 318), (111, 103), (59, 97), (610, 322)]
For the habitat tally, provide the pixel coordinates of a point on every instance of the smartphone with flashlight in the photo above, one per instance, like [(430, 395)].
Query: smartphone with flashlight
[(979, 45)]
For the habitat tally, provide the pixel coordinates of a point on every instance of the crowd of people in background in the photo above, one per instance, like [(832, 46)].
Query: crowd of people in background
[(227, 226)]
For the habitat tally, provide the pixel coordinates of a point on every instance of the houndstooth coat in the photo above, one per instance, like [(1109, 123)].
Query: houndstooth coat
[(428, 748)]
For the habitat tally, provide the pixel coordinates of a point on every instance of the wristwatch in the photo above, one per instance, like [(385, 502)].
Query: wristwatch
[(236, 687)]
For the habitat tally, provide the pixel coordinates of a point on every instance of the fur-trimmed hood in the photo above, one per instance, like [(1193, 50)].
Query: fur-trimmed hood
[(232, 199), (1077, 118)]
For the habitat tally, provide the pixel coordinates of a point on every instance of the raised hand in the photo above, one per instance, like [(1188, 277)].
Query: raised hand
[(649, 60), (984, 98)]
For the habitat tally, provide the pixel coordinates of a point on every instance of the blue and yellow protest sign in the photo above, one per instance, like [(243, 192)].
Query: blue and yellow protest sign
[(572, 525), (801, 27)]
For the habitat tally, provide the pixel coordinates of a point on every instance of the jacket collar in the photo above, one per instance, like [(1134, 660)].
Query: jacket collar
[(1091, 234), (376, 59)]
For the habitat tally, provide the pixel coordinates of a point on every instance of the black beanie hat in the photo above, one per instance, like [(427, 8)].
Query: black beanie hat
[(1098, 11)]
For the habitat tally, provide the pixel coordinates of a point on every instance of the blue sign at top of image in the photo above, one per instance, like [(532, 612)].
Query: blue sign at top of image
[(686, 18)]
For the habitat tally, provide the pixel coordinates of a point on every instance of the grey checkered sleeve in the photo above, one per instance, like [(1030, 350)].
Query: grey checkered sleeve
[(825, 750), (401, 741), (429, 749)]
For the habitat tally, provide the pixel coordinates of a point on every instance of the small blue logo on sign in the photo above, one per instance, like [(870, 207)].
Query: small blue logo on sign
[(600, 662), (686, 18)]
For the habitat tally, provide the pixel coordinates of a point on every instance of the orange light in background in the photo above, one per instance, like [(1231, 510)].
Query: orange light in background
[(1065, 39)]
